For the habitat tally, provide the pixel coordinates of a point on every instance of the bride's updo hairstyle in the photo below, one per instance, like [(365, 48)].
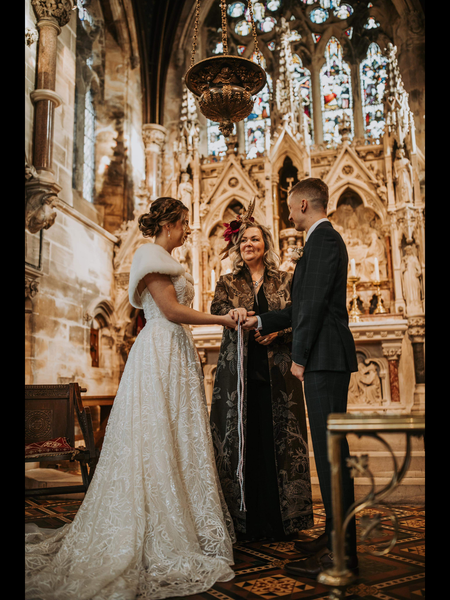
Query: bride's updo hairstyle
[(162, 212)]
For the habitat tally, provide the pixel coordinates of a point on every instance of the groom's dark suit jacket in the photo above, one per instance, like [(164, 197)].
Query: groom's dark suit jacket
[(322, 340)]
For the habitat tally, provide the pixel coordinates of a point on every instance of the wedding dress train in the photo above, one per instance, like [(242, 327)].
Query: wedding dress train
[(154, 523)]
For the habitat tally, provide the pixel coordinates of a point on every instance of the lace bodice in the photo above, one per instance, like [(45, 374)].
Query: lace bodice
[(185, 295)]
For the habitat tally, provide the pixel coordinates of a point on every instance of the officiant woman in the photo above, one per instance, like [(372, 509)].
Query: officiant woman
[(276, 487)]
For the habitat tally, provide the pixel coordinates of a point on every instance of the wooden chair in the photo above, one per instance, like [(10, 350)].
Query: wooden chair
[(50, 432)]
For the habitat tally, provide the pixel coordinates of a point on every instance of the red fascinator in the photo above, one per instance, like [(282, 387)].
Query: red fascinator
[(232, 229)]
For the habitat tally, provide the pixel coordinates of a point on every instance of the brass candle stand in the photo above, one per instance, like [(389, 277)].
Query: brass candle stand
[(354, 313), (380, 310)]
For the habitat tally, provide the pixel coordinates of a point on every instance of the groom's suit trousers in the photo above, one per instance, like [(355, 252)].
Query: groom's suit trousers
[(326, 393)]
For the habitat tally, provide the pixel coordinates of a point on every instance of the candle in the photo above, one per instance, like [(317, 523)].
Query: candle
[(213, 280), (352, 268), (377, 271)]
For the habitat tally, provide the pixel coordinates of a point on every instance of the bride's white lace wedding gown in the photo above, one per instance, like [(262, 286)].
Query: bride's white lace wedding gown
[(154, 523)]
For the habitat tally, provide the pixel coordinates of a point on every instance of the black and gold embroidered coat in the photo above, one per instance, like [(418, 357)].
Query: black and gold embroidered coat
[(288, 410)]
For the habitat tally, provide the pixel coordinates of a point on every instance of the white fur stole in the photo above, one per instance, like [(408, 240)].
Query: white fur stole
[(151, 258)]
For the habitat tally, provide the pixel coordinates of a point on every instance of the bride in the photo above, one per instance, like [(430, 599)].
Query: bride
[(153, 523)]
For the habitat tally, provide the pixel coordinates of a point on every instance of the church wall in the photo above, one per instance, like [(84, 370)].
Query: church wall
[(74, 273)]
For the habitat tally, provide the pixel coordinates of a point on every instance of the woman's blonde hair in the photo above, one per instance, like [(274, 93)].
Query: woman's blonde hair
[(271, 260)]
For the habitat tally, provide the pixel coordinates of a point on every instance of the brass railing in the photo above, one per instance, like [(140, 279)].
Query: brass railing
[(339, 425)]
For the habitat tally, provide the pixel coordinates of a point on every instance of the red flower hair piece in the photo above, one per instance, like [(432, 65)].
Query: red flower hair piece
[(233, 228)]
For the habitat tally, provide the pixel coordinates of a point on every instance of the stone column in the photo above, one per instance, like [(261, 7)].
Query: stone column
[(276, 216), (358, 119), (42, 189), (50, 20), (316, 99), (416, 332), (392, 353), (154, 136)]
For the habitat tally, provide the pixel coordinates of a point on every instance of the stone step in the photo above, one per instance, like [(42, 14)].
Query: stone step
[(46, 478)]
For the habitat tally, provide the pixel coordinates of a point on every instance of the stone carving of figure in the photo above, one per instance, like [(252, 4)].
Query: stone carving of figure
[(403, 177), (375, 250), (362, 240), (217, 243), (185, 190), (287, 264), (184, 255), (365, 384), (412, 281)]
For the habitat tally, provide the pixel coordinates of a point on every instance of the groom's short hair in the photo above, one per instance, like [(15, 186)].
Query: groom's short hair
[(312, 189)]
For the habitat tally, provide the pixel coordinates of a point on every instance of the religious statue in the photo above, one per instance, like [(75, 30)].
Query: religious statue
[(363, 241), (412, 281), (287, 264), (185, 190), (216, 243), (365, 384), (403, 177)]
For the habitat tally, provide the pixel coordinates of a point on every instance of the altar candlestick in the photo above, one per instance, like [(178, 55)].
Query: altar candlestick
[(352, 268), (377, 271), (213, 280)]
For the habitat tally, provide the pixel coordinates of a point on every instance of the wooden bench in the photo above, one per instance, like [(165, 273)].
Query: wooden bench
[(50, 412)]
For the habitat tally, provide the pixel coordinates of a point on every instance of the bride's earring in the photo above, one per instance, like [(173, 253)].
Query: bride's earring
[(168, 231)]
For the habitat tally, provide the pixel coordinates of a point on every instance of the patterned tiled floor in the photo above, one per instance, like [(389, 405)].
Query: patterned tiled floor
[(259, 566)]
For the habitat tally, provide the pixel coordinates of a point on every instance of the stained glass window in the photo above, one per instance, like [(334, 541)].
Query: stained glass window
[(241, 50), (257, 124), (259, 12), (267, 24), (243, 28), (336, 92), (216, 140), (271, 46), (302, 86), (236, 9), (371, 23), (329, 3), (318, 15), (274, 4), (344, 11), (89, 148), (294, 36), (373, 82)]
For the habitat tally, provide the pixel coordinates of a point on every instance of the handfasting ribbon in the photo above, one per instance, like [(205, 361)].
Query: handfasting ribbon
[(240, 407)]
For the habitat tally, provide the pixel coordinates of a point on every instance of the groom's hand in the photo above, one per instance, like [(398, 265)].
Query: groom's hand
[(298, 371), (250, 323), (240, 314)]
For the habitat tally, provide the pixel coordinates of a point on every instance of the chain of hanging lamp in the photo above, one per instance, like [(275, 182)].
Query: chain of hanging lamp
[(223, 9), (224, 84)]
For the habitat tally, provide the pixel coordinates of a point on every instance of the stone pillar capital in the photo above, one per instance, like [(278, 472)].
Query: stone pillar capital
[(52, 12), (391, 351), (416, 329), (153, 136)]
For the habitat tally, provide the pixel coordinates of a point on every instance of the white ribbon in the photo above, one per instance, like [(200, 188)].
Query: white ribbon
[(240, 408)]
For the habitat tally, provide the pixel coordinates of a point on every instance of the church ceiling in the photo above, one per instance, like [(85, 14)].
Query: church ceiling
[(157, 22)]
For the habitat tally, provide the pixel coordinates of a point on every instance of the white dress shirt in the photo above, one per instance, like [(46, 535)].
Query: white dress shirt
[(310, 230)]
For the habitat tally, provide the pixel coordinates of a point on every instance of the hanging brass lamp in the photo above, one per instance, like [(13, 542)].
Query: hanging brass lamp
[(224, 84)]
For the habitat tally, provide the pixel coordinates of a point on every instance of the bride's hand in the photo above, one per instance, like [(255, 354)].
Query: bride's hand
[(227, 321)]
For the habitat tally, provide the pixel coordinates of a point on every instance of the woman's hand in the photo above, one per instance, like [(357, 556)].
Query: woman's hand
[(240, 314), (267, 339), (226, 321)]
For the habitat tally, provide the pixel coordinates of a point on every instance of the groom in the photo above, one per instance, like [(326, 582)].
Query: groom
[(323, 352)]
